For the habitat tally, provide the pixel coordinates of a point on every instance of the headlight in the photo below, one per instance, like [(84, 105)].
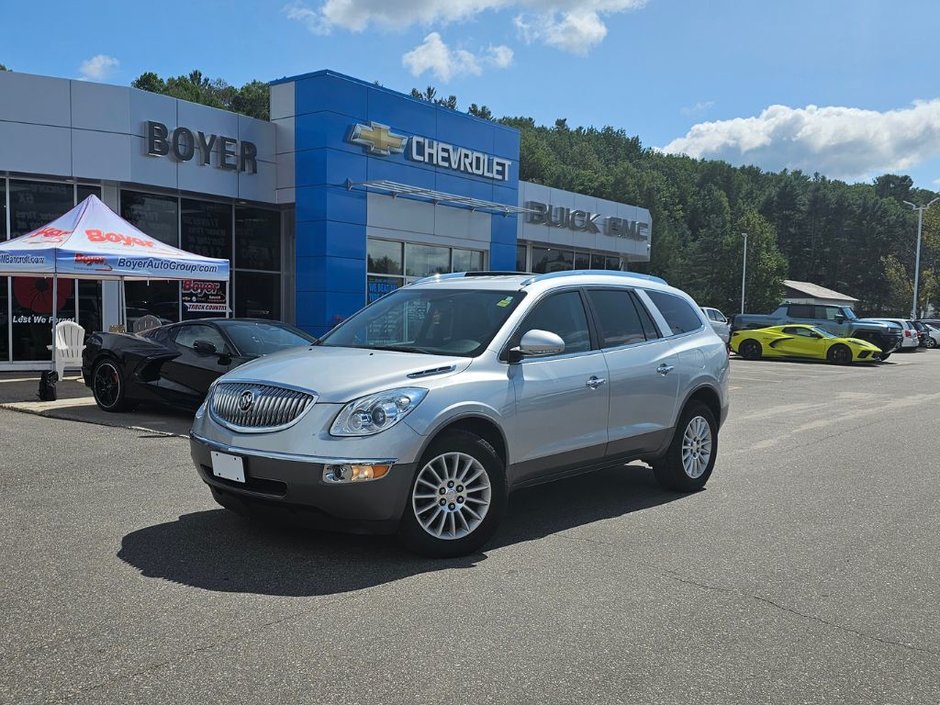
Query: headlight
[(376, 412)]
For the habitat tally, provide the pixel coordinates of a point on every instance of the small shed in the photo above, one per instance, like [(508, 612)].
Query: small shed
[(808, 293)]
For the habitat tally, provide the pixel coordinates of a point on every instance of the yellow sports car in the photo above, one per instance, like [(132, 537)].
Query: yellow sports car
[(802, 341)]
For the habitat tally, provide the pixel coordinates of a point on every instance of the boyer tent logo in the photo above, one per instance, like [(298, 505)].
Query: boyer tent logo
[(96, 263)]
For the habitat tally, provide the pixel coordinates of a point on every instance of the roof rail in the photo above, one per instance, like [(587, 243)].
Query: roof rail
[(593, 272), (461, 275)]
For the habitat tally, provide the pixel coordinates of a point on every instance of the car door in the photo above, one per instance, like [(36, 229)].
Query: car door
[(186, 378), (561, 400), (801, 342), (644, 383)]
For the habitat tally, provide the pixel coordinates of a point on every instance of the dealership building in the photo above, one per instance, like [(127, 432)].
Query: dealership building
[(348, 192)]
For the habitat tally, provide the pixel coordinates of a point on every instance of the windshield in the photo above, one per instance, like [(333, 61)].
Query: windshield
[(436, 321), (824, 333), (262, 338)]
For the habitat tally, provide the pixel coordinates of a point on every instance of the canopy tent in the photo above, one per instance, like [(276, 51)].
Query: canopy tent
[(93, 242)]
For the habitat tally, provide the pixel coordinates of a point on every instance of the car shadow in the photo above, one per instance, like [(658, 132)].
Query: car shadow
[(218, 550), (862, 365)]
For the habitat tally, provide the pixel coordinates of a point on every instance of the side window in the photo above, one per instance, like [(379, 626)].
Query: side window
[(827, 313), (802, 311), (711, 314), (792, 331), (649, 328), (679, 315), (188, 335), (617, 317), (562, 314), (719, 316)]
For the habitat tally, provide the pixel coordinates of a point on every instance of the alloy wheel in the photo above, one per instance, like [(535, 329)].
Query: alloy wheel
[(696, 447), (451, 496), (107, 384)]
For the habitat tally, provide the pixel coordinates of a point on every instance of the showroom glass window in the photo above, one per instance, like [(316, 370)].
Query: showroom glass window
[(257, 262), (205, 229), (393, 264), (4, 282), (32, 205), (157, 216)]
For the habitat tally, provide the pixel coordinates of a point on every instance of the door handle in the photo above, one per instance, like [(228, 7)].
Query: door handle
[(595, 382), (664, 369)]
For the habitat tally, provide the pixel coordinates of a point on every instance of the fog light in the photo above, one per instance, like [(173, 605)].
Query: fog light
[(354, 473)]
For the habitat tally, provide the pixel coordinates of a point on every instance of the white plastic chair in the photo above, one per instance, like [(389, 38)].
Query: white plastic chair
[(69, 343), (146, 323)]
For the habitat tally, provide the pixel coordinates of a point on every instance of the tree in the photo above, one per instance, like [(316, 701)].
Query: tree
[(894, 186), (3, 68), (480, 111), (252, 99), (430, 96)]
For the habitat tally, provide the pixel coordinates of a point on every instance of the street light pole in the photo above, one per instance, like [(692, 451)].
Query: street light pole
[(743, 272), (920, 227)]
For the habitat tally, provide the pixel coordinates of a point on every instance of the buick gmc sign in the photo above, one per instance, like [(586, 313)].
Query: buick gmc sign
[(184, 144), (585, 221)]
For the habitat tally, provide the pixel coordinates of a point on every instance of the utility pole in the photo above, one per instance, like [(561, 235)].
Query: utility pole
[(744, 271), (920, 227)]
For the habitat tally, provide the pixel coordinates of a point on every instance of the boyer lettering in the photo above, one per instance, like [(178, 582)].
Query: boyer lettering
[(126, 240)]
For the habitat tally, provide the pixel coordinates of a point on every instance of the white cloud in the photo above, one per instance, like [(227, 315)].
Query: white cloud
[(703, 106), (570, 25), (840, 142), (575, 32), (98, 67), (435, 56)]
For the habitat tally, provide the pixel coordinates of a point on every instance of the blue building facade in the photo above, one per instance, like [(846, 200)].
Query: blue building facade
[(371, 166)]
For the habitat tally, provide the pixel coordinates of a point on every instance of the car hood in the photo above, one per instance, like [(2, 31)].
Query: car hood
[(339, 375)]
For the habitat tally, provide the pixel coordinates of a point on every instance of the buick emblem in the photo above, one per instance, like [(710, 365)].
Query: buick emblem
[(245, 400)]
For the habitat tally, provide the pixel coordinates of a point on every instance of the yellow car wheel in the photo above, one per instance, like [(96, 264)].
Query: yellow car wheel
[(839, 354), (750, 349)]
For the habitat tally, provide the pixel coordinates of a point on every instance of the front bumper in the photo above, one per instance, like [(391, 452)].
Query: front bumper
[(291, 487)]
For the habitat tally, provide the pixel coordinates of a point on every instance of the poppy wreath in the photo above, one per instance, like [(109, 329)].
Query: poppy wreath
[(35, 293)]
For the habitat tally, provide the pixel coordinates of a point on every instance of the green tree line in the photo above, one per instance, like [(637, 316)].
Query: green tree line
[(858, 239)]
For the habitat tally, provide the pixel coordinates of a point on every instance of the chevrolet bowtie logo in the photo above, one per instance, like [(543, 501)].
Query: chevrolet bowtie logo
[(378, 139)]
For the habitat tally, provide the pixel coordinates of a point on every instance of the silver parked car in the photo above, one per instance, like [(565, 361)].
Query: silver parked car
[(718, 322), (421, 412)]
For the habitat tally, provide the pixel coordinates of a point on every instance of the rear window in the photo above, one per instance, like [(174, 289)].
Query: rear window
[(679, 315)]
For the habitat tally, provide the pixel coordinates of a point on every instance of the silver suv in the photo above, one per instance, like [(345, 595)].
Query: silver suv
[(421, 412)]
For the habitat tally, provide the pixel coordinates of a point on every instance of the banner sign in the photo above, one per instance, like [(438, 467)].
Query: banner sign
[(204, 296)]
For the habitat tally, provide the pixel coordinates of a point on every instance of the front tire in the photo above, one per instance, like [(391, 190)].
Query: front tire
[(107, 385), (750, 349), (457, 498), (839, 354), (931, 343), (689, 462)]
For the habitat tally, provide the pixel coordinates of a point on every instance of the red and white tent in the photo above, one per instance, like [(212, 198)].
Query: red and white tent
[(93, 242)]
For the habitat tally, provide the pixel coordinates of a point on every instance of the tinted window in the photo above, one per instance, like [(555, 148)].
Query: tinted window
[(802, 311), (617, 318), (562, 314), (648, 326), (188, 335), (679, 315), (255, 338)]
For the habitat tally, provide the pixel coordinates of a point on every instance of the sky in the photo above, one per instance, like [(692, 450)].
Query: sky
[(846, 88)]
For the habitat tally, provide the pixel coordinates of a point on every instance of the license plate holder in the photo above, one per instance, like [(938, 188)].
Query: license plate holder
[(228, 467)]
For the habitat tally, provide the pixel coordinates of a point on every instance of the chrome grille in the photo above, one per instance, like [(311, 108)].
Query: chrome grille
[(251, 407)]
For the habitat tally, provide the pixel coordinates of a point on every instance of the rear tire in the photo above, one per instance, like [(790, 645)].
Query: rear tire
[(457, 498), (108, 386), (690, 459), (750, 349), (839, 354)]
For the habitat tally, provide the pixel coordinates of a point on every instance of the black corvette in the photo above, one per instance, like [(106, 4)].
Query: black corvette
[(175, 364)]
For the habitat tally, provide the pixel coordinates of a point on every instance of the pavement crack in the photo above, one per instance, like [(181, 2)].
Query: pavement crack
[(809, 617)]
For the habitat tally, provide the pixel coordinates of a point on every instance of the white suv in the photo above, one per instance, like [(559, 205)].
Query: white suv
[(421, 412)]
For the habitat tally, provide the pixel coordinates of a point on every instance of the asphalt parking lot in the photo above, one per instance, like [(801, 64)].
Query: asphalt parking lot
[(806, 572)]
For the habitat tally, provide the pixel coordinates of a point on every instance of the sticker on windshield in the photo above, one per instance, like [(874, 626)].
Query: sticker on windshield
[(503, 303)]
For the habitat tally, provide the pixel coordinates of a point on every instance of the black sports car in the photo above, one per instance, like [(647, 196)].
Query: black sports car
[(175, 364)]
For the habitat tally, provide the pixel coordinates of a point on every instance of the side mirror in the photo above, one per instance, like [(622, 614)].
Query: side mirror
[(840, 319), (204, 347), (537, 343)]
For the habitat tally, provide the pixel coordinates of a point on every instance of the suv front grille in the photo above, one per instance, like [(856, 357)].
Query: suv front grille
[(249, 407)]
